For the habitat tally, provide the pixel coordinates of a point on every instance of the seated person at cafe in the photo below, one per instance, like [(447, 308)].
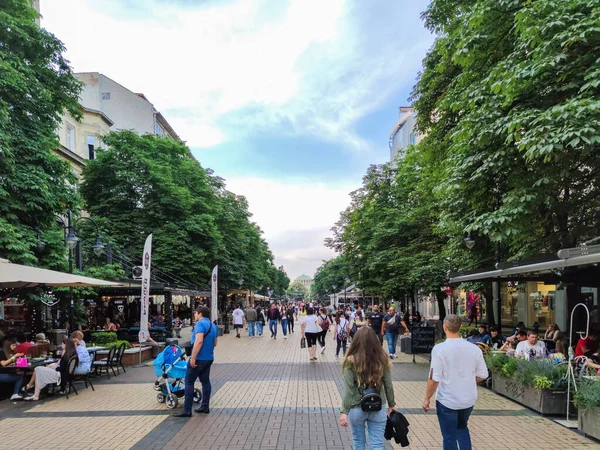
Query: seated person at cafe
[(85, 362), (40, 338), (485, 336), (54, 373), (109, 326), (587, 346), (532, 348), (509, 346), (474, 337), (513, 334), (495, 339), (8, 356)]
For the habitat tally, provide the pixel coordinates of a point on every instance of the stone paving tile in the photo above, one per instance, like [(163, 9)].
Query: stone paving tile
[(266, 395)]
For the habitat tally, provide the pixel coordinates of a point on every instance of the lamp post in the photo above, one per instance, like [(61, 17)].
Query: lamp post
[(72, 241), (334, 289), (346, 281)]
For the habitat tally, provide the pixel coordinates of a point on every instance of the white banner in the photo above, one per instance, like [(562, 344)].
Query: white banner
[(214, 296), (145, 300)]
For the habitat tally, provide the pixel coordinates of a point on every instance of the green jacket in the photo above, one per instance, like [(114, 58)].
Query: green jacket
[(351, 397)]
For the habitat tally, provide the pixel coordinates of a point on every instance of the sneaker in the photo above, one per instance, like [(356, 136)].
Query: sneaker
[(16, 397), (285, 337), (391, 356)]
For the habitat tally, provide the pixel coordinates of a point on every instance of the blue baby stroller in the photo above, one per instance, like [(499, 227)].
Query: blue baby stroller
[(170, 367)]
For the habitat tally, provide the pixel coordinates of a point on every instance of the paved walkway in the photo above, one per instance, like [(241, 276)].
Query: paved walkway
[(266, 395)]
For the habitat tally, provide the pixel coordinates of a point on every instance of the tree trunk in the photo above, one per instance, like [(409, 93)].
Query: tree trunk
[(441, 296), (489, 305)]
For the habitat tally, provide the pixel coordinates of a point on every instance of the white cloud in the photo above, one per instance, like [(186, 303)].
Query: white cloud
[(229, 70), (296, 216)]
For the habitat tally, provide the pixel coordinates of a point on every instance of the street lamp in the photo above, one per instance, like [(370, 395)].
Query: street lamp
[(334, 289), (72, 240), (469, 241), (347, 280)]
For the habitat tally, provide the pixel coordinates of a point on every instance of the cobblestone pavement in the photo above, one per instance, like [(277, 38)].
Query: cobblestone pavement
[(266, 395)]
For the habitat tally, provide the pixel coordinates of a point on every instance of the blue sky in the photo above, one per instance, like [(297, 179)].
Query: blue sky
[(289, 100)]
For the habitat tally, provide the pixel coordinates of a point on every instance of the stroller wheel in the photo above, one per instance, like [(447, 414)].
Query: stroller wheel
[(160, 398), (197, 395), (171, 401)]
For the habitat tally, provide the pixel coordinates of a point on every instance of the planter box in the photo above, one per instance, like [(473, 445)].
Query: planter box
[(131, 357), (544, 401), (589, 422)]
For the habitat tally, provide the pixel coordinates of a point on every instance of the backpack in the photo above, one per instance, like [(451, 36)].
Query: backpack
[(324, 323), (370, 400), (343, 335)]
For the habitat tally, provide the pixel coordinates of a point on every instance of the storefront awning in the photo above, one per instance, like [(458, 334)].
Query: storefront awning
[(17, 276), (561, 263)]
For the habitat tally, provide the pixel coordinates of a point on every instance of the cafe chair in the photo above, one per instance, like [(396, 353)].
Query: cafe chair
[(106, 364), (71, 366), (118, 359)]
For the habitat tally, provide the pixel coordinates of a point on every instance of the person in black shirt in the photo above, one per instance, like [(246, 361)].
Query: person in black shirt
[(495, 339), (375, 320), (290, 318), (8, 357)]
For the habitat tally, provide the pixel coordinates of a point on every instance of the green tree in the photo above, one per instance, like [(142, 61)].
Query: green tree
[(330, 277), (297, 290), (509, 99), (36, 87)]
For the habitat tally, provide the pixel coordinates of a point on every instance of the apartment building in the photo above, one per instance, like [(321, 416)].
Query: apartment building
[(404, 133)]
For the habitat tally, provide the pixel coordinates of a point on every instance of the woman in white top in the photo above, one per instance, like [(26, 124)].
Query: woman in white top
[(308, 325), (340, 332)]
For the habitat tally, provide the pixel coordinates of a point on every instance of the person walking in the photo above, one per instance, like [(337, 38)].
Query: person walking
[(260, 321), (273, 316), (310, 331), (290, 318), (391, 328), (238, 320), (340, 333), (251, 319), (324, 323), (375, 320), (204, 341), (366, 367), (456, 368), (284, 321)]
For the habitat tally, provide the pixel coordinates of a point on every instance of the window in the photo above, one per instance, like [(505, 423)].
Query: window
[(413, 138), (106, 96), (91, 144), (158, 130), (70, 138)]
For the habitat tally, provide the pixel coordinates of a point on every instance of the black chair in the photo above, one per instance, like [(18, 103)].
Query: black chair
[(71, 366), (118, 358), (86, 377), (105, 364)]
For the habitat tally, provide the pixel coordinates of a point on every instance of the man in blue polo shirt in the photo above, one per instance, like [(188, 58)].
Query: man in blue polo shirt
[(204, 341)]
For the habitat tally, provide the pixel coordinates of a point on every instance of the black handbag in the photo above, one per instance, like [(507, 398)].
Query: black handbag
[(370, 400)]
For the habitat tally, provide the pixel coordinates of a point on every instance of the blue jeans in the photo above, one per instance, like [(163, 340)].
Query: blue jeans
[(284, 326), (251, 326), (259, 328), (12, 378), (453, 424), (201, 371), (375, 421), (392, 339), (273, 327)]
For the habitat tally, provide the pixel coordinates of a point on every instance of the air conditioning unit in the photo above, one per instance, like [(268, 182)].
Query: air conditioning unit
[(136, 272)]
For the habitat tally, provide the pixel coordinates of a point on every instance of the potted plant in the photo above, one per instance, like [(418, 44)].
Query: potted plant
[(537, 384), (587, 400)]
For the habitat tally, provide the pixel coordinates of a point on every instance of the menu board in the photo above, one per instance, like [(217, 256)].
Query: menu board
[(422, 339)]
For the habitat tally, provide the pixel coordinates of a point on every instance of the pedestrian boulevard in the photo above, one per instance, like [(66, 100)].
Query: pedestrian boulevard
[(266, 395)]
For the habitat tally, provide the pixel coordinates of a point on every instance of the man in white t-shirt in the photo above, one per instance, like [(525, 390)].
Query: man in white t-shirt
[(532, 348), (238, 320), (456, 368)]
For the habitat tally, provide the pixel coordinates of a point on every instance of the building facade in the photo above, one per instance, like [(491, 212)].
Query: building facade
[(128, 110), (80, 140), (404, 133), (305, 280)]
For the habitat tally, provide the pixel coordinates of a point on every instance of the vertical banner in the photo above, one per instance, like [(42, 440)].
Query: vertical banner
[(144, 301), (214, 297)]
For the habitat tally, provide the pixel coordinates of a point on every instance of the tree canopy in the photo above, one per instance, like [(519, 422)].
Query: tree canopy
[(36, 87)]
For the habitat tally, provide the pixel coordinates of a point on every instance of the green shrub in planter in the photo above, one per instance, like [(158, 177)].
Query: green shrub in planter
[(537, 373), (587, 395), (118, 343), (465, 331), (103, 338)]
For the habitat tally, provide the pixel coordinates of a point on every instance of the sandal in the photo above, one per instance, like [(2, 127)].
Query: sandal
[(31, 399)]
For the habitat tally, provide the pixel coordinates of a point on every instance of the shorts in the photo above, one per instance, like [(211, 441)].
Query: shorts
[(236, 326), (311, 339)]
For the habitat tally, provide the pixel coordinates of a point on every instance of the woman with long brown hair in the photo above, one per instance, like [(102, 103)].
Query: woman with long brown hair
[(366, 366), (54, 373)]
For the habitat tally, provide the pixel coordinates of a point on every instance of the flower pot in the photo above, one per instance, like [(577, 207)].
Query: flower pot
[(544, 401), (589, 422)]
